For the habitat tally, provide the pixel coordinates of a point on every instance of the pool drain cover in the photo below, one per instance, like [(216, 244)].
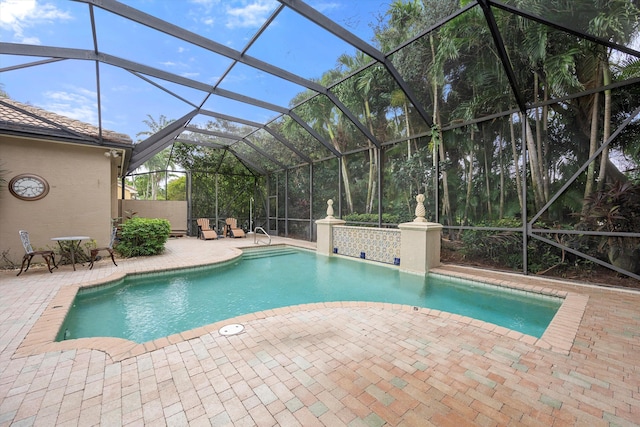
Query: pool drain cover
[(231, 329)]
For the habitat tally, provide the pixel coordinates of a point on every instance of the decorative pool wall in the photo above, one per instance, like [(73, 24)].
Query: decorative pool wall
[(375, 244)]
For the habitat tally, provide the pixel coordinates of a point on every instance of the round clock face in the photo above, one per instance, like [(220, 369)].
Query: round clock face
[(28, 186)]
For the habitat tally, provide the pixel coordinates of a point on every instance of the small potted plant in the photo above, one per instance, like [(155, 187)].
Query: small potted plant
[(616, 208)]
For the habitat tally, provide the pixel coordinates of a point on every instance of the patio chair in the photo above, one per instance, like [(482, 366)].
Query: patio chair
[(232, 228), (48, 255), (95, 251), (205, 231)]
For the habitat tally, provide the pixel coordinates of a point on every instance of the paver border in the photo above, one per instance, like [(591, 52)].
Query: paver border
[(558, 337)]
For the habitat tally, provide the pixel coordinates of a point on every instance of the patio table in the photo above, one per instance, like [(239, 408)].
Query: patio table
[(74, 244)]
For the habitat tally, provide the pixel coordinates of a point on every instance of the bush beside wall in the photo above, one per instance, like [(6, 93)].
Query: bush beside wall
[(143, 237)]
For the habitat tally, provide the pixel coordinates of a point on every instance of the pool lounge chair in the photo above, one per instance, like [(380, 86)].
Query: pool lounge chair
[(232, 228), (204, 229)]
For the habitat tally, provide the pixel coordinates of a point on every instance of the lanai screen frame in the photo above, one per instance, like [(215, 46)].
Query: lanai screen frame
[(173, 132)]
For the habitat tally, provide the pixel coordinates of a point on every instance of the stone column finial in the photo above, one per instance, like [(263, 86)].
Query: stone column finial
[(420, 210), (329, 209)]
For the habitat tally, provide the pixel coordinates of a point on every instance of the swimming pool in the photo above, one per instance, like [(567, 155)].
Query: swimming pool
[(145, 307)]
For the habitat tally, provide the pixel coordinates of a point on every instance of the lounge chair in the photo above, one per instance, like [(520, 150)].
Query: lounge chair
[(94, 252), (232, 228), (48, 255), (204, 229)]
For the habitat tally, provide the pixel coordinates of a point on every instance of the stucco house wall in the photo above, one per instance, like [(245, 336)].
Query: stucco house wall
[(83, 167), (81, 199), (81, 164), (175, 211)]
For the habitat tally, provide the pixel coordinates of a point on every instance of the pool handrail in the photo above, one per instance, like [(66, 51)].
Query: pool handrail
[(255, 235)]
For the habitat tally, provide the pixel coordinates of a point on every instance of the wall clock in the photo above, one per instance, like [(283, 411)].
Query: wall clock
[(28, 186)]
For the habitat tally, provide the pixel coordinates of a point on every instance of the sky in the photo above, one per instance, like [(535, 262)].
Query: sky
[(69, 87)]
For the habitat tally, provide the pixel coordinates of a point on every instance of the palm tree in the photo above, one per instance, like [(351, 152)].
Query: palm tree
[(161, 161), (319, 113), (417, 64), (564, 64), (363, 87)]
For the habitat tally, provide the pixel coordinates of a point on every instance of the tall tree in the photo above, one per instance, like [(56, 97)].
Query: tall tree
[(367, 91), (321, 114), (162, 161), (416, 63)]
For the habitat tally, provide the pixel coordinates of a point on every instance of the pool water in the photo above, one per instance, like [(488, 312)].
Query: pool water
[(143, 308)]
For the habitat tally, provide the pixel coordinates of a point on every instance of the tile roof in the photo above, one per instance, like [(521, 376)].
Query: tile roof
[(18, 117)]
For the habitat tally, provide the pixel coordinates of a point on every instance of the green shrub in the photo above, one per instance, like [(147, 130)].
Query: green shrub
[(372, 218), (504, 248), (143, 236), (615, 209)]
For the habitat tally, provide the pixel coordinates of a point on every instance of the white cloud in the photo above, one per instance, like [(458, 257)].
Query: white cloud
[(177, 66), (206, 3), (251, 15), (204, 7), (124, 88), (18, 16), (79, 105), (30, 40), (324, 7)]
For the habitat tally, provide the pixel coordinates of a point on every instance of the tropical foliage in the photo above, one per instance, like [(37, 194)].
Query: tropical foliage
[(157, 165), (143, 236), (616, 209), (484, 138)]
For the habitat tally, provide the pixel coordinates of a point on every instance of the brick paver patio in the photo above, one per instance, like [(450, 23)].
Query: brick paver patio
[(354, 364)]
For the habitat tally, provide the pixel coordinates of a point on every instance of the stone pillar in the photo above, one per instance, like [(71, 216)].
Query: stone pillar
[(324, 245), (419, 242)]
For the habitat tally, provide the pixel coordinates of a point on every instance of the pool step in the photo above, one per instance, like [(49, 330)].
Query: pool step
[(267, 251)]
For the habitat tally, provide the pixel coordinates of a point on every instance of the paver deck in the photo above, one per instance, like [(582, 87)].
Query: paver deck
[(354, 364)]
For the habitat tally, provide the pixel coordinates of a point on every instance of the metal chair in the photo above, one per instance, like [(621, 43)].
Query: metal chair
[(94, 252), (48, 255)]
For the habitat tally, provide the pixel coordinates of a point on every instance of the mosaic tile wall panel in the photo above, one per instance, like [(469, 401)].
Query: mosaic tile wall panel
[(376, 244)]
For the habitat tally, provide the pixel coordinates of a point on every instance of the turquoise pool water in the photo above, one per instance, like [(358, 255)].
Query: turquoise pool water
[(143, 308)]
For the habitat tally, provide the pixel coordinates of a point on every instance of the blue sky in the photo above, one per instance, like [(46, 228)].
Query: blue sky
[(69, 88)]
